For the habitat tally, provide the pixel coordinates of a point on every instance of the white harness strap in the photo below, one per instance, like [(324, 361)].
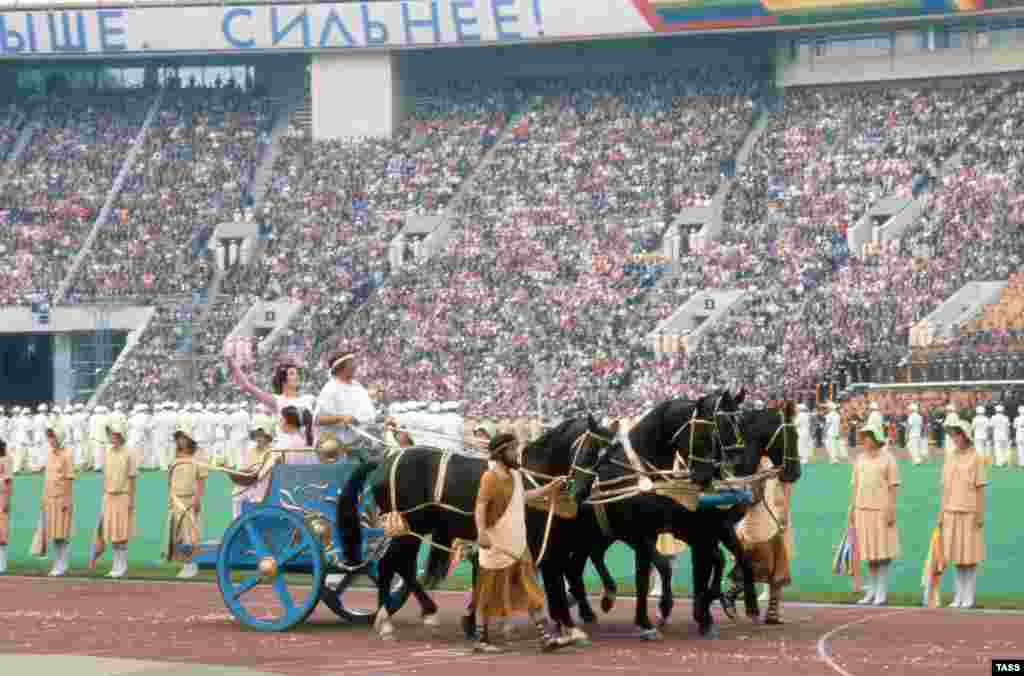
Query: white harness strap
[(442, 475)]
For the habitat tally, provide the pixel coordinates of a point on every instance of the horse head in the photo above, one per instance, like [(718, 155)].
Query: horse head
[(589, 450), (773, 432)]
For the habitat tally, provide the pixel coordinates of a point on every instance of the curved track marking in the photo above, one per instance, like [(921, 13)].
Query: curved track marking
[(823, 641)]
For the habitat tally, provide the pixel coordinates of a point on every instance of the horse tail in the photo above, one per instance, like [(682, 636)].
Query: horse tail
[(349, 521)]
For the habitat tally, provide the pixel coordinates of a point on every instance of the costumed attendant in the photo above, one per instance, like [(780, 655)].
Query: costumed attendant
[(765, 535), (257, 461), (342, 403), (962, 514), (484, 431), (296, 431), (507, 581), (187, 484), (872, 512), (120, 471), (6, 488), (58, 505)]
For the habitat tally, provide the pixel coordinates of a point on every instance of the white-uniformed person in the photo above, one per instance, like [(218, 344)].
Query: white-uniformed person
[(73, 436), (98, 423), (1001, 437), (342, 404), (832, 421), (803, 427), (117, 417), (917, 441), (21, 439), (220, 434), (165, 423), (139, 424), (4, 424), (982, 430), (952, 420), (1018, 427), (262, 419), (202, 429), (238, 427), (40, 447), (875, 419)]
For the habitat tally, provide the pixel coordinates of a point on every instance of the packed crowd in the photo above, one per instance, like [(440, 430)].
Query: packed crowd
[(57, 186), (532, 289)]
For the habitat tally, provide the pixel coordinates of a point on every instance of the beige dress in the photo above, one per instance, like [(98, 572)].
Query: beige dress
[(875, 479), (183, 528), (6, 487), (507, 580), (963, 541), (58, 501), (120, 470)]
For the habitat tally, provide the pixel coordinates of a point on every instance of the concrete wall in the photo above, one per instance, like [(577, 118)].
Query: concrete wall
[(357, 94), (68, 319)]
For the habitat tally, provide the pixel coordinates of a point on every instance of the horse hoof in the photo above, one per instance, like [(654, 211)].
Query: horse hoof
[(709, 631), (587, 616), (431, 620), (754, 617), (469, 626), (650, 635), (607, 603), (579, 638), (662, 621)]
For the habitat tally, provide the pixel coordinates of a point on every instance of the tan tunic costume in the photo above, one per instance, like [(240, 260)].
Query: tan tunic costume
[(507, 582), (58, 500), (874, 480), (119, 472), (6, 488), (759, 532), (963, 540), (185, 477)]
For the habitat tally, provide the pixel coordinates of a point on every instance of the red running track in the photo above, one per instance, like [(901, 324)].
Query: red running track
[(187, 622)]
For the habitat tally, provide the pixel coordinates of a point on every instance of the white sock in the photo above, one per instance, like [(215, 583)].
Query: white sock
[(970, 585), (869, 588), (882, 586), (3, 558), (958, 586)]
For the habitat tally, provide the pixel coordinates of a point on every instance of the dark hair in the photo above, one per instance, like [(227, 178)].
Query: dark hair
[(3, 448), (302, 419), (281, 377)]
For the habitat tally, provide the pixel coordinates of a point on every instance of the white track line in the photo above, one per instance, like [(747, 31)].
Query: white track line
[(823, 641)]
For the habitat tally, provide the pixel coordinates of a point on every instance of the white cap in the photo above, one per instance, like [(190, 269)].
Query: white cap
[(802, 407), (980, 409), (41, 408), (758, 404), (101, 409), (434, 407), (999, 408), (143, 407), (79, 407), (118, 406)]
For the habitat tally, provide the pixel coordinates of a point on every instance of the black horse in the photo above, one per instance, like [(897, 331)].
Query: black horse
[(772, 433), (698, 435), (444, 510)]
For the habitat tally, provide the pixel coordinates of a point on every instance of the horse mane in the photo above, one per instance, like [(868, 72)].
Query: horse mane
[(545, 439)]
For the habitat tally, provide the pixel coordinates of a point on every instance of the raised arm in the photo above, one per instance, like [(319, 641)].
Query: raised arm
[(243, 382)]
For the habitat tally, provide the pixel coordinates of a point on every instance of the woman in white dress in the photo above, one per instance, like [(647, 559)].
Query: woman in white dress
[(285, 385)]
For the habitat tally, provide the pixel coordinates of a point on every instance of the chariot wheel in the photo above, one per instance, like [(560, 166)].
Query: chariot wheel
[(375, 545), (260, 546)]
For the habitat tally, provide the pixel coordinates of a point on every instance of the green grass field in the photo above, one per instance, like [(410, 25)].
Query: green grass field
[(819, 516)]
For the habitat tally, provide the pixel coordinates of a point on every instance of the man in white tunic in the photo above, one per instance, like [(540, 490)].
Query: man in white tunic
[(342, 404), (832, 432), (21, 431), (1001, 437), (219, 416), (917, 443), (803, 428), (1018, 426), (981, 428)]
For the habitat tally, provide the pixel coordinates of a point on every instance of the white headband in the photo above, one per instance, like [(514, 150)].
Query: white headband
[(341, 360)]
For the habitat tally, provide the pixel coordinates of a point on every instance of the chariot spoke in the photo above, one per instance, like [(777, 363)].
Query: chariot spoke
[(257, 540), (246, 586), (283, 594), (292, 552)]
